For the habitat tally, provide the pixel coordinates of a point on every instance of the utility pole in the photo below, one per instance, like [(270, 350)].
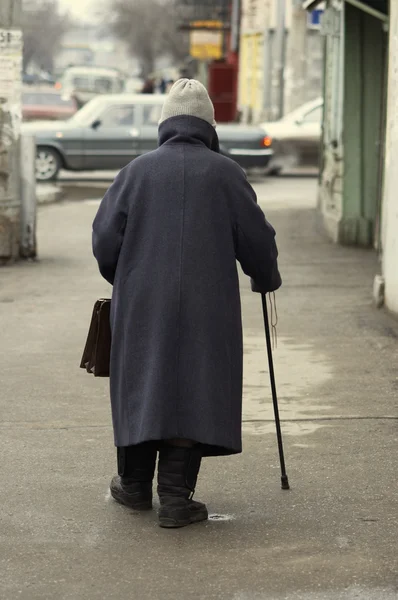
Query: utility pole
[(297, 82), (224, 18), (280, 53), (235, 25), (10, 119)]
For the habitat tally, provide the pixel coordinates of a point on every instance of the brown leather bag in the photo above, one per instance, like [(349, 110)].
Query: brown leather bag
[(97, 352)]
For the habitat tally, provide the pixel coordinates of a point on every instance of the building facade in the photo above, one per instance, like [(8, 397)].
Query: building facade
[(355, 85), (281, 59), (358, 199), (389, 235)]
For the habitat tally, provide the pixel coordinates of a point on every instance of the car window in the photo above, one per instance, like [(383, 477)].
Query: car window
[(151, 114), (86, 115), (56, 100), (29, 99), (118, 116), (44, 99), (314, 116), (82, 83), (60, 100), (119, 85), (103, 85)]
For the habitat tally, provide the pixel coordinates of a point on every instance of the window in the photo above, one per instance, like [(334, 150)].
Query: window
[(82, 83), (118, 116), (30, 99), (119, 86), (57, 99), (152, 114), (315, 116), (86, 115), (103, 85)]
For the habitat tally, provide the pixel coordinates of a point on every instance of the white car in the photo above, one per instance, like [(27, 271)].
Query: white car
[(296, 137), (85, 83)]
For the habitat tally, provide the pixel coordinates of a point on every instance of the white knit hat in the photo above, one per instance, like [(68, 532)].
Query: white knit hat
[(188, 97)]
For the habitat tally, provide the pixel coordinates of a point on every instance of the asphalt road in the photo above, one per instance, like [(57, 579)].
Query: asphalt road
[(333, 536)]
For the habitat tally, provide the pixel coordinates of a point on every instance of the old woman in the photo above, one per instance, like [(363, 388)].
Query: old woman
[(167, 236)]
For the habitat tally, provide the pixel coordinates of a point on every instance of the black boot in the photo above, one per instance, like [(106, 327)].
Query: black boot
[(136, 468), (177, 474)]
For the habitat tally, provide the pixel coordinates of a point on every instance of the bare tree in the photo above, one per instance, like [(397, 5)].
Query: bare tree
[(43, 27), (149, 29)]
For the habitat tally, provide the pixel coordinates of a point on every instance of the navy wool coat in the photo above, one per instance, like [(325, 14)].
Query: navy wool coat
[(167, 236)]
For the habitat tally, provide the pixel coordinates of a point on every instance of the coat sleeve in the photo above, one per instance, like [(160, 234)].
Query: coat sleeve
[(109, 226), (255, 246)]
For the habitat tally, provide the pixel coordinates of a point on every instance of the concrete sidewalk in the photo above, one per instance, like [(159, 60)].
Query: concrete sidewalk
[(48, 193), (333, 536)]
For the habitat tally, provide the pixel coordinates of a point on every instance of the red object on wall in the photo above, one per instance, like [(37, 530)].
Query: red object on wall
[(223, 86)]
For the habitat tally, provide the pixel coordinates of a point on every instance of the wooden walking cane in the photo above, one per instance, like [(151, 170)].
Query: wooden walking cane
[(284, 479)]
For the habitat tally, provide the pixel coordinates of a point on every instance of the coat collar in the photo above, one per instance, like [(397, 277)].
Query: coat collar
[(188, 130)]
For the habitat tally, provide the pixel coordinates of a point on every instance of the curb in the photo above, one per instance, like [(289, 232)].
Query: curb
[(48, 194), (83, 190)]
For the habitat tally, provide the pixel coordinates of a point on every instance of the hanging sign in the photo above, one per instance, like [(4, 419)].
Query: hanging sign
[(206, 44)]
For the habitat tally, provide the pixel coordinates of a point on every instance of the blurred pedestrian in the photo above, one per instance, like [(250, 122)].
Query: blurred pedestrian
[(149, 87), (169, 85), (167, 236)]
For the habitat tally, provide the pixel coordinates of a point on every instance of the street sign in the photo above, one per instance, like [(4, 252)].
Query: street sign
[(315, 18), (10, 39), (203, 10), (206, 44)]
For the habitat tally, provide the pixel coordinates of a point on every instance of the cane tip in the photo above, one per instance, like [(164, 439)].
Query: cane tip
[(285, 482)]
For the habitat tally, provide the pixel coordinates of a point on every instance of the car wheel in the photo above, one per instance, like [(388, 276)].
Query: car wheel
[(48, 164), (275, 171)]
